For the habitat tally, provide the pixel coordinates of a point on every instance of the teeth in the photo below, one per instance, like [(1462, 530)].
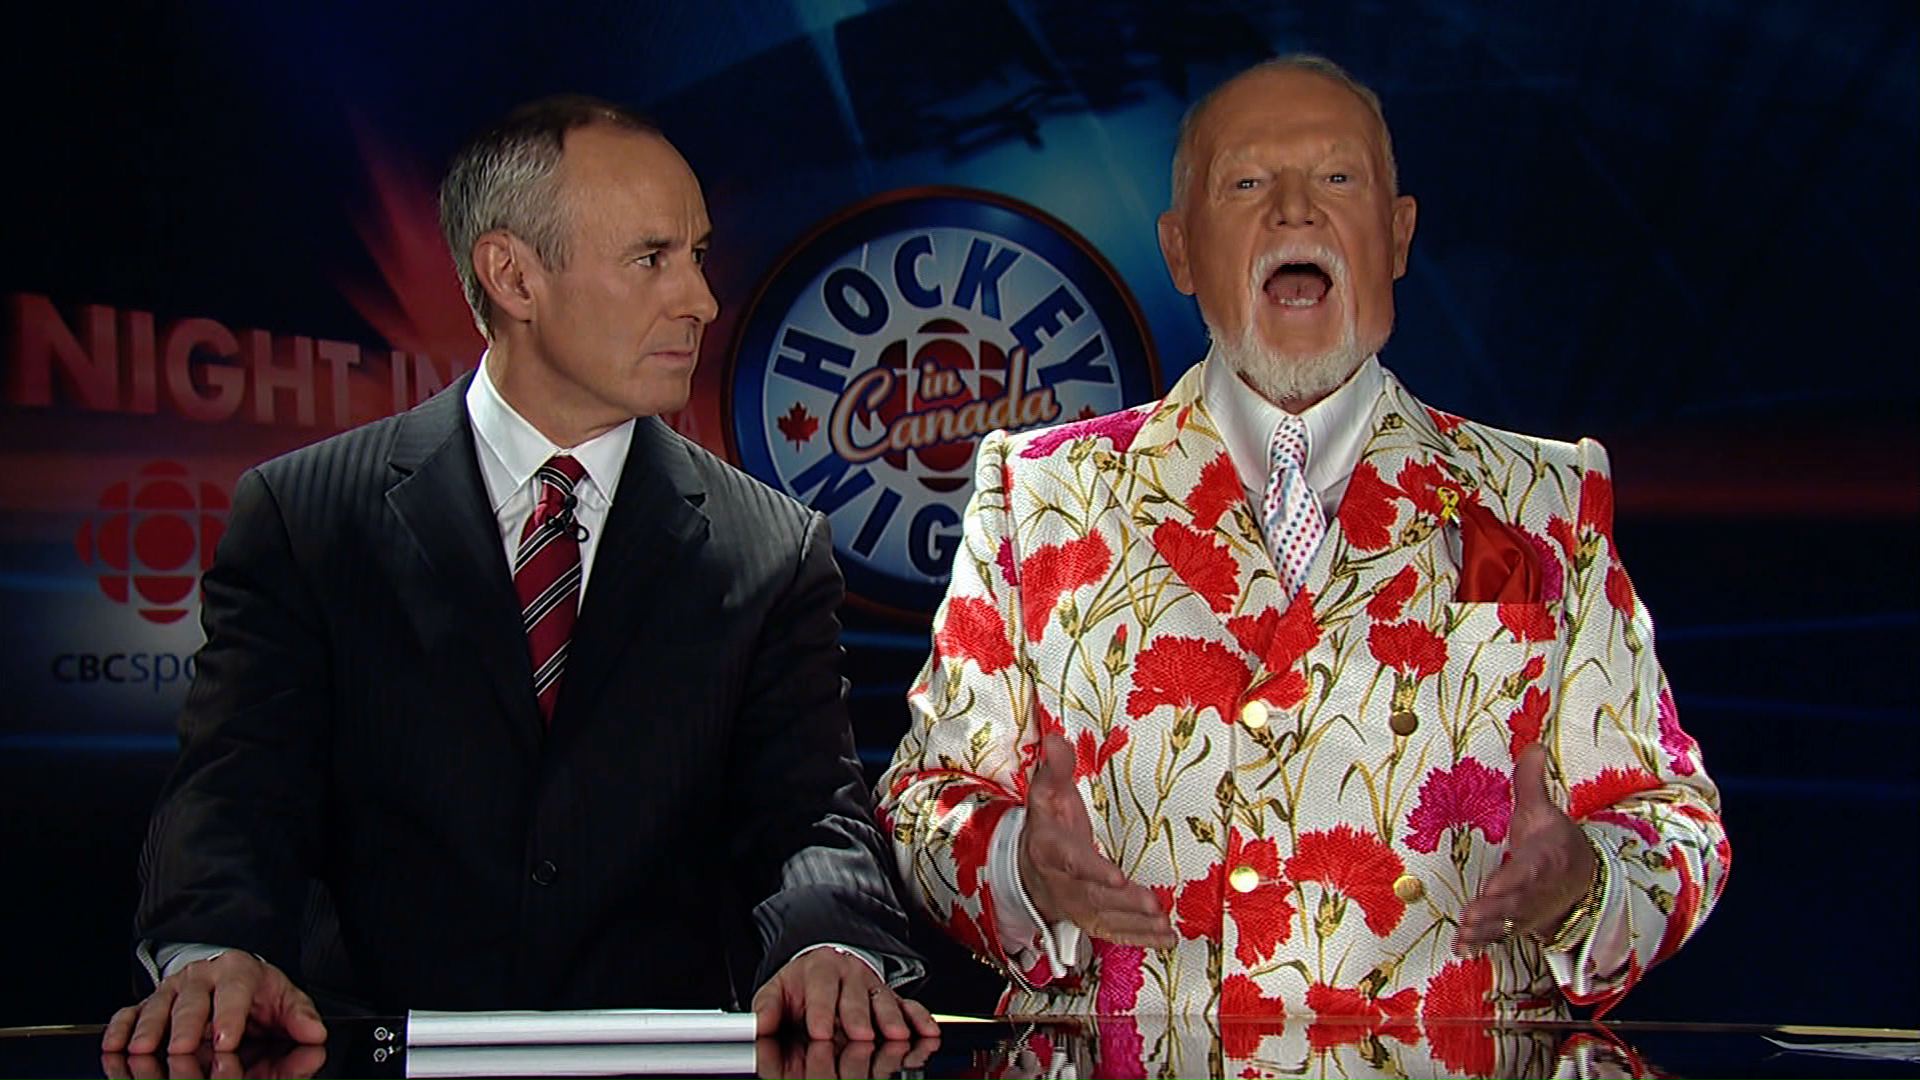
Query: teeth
[(1297, 301)]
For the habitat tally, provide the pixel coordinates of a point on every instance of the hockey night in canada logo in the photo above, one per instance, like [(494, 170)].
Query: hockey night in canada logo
[(885, 344)]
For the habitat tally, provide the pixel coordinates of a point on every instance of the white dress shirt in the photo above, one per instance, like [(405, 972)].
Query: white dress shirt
[(1337, 435)]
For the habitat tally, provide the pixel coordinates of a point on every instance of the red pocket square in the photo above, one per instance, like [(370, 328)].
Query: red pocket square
[(1496, 562)]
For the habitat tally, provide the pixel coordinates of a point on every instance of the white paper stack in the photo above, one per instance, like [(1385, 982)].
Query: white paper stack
[(589, 1042)]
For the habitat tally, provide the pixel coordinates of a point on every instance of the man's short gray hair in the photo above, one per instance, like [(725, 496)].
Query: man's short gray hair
[(1309, 62), (506, 178)]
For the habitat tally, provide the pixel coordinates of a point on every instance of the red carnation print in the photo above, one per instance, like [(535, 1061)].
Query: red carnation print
[(1536, 665), (1686, 907), (1090, 757), (1408, 647), (1009, 570), (1391, 598), (1679, 745), (1525, 722), (1205, 565), (1121, 1048), (1117, 428), (1278, 637), (1445, 422), (1217, 492), (1528, 622), (1463, 988), (1187, 673), (1247, 1016), (1553, 573), (973, 630), (1120, 976), (1056, 569), (1351, 1016), (1359, 865), (1561, 530), (798, 425), (1468, 796), (1596, 504), (1367, 511), (971, 840), (1262, 918), (1420, 481), (1612, 787), (1619, 590)]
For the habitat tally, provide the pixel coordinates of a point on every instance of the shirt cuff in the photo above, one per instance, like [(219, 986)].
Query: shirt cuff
[(165, 960), (1024, 935), (1608, 947), (861, 955)]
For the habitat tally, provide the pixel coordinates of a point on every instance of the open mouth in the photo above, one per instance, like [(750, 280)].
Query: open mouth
[(1298, 284)]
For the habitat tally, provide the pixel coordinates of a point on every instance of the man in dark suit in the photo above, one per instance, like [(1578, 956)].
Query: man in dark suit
[(519, 699)]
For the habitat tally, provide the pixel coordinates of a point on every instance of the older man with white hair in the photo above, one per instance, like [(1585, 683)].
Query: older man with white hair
[(1288, 693)]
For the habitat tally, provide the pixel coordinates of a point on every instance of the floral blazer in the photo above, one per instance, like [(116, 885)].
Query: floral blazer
[(1315, 787)]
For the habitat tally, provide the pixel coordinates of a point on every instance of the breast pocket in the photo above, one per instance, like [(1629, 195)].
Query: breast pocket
[(1503, 661)]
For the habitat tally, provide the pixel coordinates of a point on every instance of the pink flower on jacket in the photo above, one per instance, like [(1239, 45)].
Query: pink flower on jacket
[(1468, 796), (1553, 572), (1121, 1048), (1056, 569), (1187, 672), (1009, 570), (1205, 564), (973, 630), (1356, 863), (1120, 976), (1117, 428), (1408, 646), (1217, 492), (1679, 745)]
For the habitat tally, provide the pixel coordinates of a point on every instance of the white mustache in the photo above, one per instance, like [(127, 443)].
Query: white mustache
[(1297, 251)]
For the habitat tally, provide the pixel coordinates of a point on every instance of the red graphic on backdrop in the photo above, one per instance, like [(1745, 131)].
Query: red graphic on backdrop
[(153, 537), (947, 370), (798, 425)]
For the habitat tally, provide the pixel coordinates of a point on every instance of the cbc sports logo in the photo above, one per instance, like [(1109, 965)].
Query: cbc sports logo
[(887, 342)]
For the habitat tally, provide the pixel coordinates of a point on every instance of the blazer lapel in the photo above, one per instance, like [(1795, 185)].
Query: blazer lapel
[(1397, 510), (654, 529), (1183, 494), (441, 502)]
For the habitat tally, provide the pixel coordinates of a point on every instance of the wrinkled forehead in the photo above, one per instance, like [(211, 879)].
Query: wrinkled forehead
[(1264, 105)]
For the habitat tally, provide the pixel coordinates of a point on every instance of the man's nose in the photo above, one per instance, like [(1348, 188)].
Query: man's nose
[(696, 299), (1292, 201)]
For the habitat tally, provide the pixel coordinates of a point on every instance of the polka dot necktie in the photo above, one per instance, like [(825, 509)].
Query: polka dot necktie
[(546, 575), (1295, 524)]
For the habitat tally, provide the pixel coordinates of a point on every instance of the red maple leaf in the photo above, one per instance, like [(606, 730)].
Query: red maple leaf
[(798, 425)]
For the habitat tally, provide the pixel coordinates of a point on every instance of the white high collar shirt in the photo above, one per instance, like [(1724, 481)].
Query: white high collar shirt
[(511, 450)]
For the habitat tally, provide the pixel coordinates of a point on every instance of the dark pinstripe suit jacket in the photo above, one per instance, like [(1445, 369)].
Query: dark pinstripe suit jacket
[(365, 793)]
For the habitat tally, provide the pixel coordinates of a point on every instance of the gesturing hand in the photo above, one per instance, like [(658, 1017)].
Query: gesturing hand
[(1549, 865), (1065, 874), (220, 1000)]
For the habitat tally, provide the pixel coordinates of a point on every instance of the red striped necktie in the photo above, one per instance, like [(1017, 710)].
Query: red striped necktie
[(546, 575)]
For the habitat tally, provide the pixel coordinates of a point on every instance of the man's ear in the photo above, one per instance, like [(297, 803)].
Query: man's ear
[(1405, 211), (1173, 248), (506, 269)]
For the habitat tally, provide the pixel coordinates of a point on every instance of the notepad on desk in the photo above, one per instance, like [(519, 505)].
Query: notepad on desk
[(578, 1027), (603, 1059)]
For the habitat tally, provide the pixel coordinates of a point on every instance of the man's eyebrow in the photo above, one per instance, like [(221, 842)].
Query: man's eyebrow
[(663, 243)]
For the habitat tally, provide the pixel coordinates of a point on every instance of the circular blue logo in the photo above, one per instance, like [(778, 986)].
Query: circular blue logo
[(895, 335)]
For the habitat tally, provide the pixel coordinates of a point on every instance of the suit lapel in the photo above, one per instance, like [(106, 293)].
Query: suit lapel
[(654, 529), (1183, 494), (441, 503), (1395, 511)]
